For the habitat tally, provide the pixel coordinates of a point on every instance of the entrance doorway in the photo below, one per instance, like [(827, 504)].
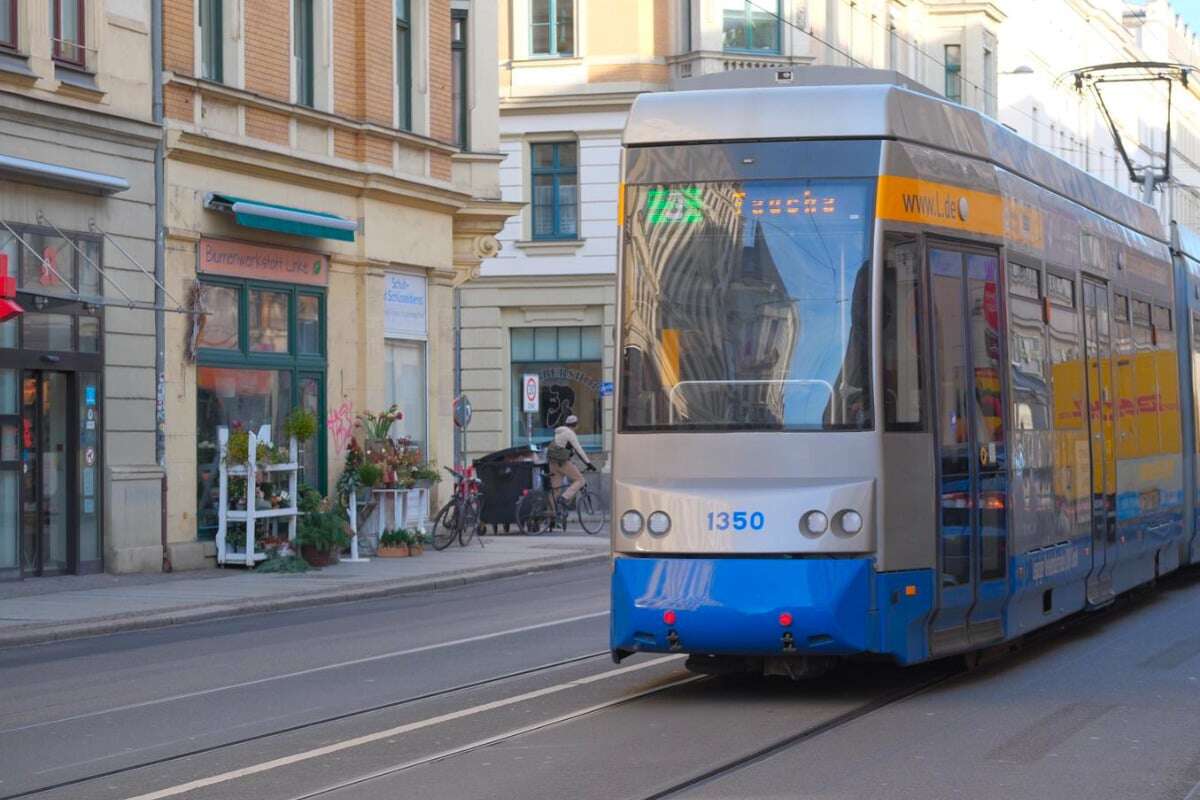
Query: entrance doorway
[(45, 480)]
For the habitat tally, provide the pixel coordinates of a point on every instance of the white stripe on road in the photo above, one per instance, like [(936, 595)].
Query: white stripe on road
[(369, 738), (310, 671)]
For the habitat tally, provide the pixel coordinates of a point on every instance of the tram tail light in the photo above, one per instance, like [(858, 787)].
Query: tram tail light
[(669, 617), (8, 290), (785, 619), (910, 590)]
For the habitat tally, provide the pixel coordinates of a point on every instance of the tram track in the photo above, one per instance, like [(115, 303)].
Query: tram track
[(308, 725)]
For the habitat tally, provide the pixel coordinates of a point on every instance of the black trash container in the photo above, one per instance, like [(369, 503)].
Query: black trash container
[(506, 474)]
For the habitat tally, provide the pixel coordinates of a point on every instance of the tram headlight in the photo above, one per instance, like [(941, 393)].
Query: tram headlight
[(814, 523), (851, 522), (658, 523), (631, 523)]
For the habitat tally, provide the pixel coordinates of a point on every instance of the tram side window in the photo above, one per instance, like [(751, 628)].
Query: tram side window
[(1071, 459), (902, 316), (1196, 378), (1146, 394), (1123, 379), (1170, 424), (1032, 487)]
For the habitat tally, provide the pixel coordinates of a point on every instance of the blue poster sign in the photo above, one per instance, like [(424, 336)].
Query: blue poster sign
[(606, 389), (89, 395)]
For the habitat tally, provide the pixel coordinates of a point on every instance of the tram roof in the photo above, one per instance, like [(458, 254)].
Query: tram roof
[(872, 111)]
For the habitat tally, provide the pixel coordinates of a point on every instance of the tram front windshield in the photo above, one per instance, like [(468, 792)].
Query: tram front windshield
[(746, 306)]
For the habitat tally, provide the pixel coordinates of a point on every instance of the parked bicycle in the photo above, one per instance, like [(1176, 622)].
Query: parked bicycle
[(543, 509), (459, 517)]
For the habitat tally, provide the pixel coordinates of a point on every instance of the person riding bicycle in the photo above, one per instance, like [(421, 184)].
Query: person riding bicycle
[(559, 452)]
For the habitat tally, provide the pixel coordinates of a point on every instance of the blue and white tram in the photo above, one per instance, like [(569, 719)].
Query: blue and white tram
[(892, 381)]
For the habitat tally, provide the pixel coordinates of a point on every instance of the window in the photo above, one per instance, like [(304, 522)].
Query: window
[(61, 325), (260, 353), (403, 65), (953, 62), (554, 182), (404, 373), (568, 363), (989, 82), (552, 27), (67, 30), (751, 26), (302, 52), (458, 75), (8, 23), (902, 334), (212, 38), (1060, 290), (685, 25)]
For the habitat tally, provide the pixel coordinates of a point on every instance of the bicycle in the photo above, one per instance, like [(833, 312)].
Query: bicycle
[(459, 517), (540, 510)]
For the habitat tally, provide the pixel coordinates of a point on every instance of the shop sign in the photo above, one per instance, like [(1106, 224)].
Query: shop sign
[(404, 299), (258, 262)]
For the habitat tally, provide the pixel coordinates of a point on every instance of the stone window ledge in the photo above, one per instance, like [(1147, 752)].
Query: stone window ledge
[(550, 247)]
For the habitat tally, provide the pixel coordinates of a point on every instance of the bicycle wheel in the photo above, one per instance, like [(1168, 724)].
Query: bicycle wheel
[(591, 512), (445, 525), (469, 520), (533, 513)]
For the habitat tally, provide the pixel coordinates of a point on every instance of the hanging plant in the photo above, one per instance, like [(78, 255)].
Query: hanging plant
[(301, 423)]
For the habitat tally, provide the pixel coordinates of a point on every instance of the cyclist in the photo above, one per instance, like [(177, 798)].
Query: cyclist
[(565, 445)]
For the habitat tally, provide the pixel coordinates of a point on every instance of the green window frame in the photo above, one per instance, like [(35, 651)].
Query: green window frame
[(302, 52), (953, 62), (554, 189), (404, 65), (212, 40), (740, 24), (552, 28), (301, 365), (460, 75)]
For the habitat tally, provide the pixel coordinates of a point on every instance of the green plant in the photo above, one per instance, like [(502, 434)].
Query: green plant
[(322, 530), (376, 426), (427, 472), (400, 537), (309, 500), (301, 423), (370, 474), (264, 454), (291, 563), (237, 449)]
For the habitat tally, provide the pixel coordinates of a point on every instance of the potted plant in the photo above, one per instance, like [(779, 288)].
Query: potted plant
[(321, 535), (376, 426), (417, 541), (426, 475), (237, 449), (394, 544), (369, 475), (301, 424)]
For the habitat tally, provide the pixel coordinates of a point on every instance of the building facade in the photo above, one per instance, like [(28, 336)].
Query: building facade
[(331, 176), (80, 483), (570, 69)]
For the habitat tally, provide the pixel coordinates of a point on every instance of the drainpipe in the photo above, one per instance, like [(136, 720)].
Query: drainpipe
[(160, 196), (459, 433)]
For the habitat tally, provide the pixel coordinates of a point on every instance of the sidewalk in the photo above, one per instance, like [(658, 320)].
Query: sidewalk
[(47, 609)]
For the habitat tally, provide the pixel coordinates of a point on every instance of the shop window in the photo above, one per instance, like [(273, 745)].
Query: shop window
[(67, 31), (8, 27), (406, 388), (212, 40), (459, 75), (568, 362), (552, 27), (554, 180), (260, 353), (751, 26), (404, 65)]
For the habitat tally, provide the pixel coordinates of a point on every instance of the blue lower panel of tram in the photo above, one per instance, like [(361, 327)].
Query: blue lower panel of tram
[(734, 606)]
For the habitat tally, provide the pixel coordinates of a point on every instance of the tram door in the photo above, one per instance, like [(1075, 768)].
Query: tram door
[(973, 529), (1097, 339)]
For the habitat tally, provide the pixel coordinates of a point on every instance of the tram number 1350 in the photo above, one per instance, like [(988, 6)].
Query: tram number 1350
[(736, 520)]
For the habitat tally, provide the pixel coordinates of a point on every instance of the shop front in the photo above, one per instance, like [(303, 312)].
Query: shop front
[(259, 348), (569, 364)]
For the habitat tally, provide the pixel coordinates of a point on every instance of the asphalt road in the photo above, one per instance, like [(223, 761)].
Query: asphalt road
[(505, 690)]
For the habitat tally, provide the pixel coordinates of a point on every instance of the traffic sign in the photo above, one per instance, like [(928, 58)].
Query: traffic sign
[(531, 391)]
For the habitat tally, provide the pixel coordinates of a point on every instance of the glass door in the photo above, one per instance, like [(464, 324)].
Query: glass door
[(1098, 343), (47, 450), (973, 529)]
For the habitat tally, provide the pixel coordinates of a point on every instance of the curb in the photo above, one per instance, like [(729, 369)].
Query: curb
[(41, 634)]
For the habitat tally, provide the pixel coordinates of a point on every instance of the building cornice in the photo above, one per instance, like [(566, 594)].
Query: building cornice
[(250, 99), (240, 157), (615, 101), (989, 9), (58, 115)]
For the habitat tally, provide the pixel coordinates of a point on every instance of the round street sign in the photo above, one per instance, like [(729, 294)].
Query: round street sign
[(462, 411), (531, 391)]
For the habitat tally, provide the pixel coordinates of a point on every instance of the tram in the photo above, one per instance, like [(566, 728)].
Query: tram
[(892, 382)]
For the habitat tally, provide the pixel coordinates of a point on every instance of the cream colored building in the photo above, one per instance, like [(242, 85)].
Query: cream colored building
[(569, 70), (80, 479), (330, 178)]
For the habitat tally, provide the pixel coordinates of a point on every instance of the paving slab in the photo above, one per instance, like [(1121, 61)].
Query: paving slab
[(47, 609)]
